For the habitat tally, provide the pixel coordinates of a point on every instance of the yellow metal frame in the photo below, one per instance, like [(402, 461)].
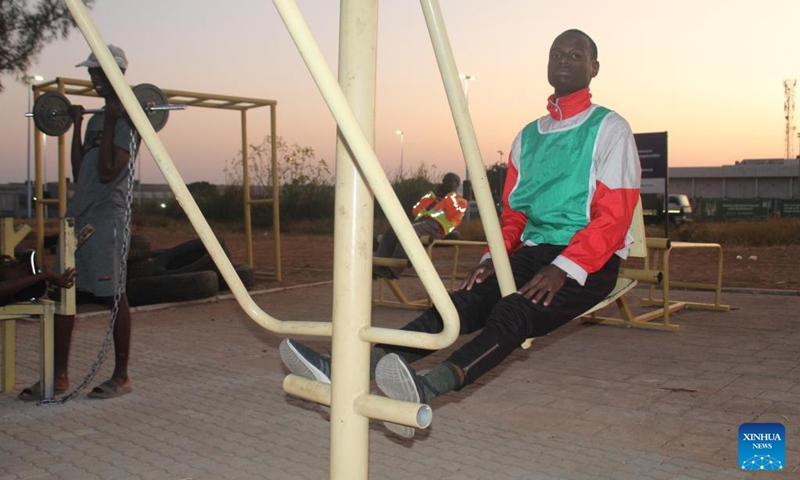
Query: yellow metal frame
[(668, 283), (43, 308), (359, 174), (351, 400), (456, 244), (401, 300), (661, 248), (647, 275), (79, 87)]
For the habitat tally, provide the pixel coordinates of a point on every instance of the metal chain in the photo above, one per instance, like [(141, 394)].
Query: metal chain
[(123, 272)]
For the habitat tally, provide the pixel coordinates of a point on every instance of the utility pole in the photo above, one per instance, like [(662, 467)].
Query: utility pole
[(788, 107), (402, 145)]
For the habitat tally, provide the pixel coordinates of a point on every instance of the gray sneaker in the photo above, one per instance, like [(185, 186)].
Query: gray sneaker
[(397, 380), (305, 362)]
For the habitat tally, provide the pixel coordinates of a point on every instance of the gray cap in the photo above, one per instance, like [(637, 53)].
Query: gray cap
[(116, 52)]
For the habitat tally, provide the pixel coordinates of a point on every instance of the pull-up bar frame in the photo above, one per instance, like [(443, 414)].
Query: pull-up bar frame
[(78, 87)]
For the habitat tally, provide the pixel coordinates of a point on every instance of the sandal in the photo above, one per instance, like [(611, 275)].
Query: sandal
[(34, 393), (109, 389)]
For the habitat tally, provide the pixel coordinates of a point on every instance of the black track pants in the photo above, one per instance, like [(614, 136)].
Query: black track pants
[(507, 322)]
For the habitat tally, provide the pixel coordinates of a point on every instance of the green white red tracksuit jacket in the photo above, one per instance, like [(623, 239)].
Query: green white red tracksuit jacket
[(573, 179)]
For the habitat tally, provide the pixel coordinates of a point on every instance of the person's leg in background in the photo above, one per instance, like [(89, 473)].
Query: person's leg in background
[(386, 248)]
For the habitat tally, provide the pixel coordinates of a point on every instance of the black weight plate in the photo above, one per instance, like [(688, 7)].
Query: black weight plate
[(50, 114), (149, 96)]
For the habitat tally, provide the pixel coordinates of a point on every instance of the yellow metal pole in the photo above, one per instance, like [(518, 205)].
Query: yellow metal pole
[(62, 166), (276, 192), (39, 193), (371, 406), (248, 227), (8, 328), (469, 143), (352, 245), (67, 245), (373, 172)]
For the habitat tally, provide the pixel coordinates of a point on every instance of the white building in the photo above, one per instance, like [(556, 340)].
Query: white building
[(747, 179)]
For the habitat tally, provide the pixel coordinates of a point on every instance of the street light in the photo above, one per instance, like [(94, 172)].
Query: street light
[(402, 141), (29, 79), (467, 79)]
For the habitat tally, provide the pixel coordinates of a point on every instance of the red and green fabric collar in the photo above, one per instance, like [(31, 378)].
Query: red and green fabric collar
[(569, 106)]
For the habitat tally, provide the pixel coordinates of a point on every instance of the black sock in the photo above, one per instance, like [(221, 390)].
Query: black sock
[(442, 379)]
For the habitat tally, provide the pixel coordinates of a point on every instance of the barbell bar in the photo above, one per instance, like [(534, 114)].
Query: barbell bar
[(50, 110)]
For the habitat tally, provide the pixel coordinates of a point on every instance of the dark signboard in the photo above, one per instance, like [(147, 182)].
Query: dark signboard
[(652, 148), (732, 209), (790, 208)]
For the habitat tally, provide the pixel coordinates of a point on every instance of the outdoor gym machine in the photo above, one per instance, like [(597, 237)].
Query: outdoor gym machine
[(351, 403)]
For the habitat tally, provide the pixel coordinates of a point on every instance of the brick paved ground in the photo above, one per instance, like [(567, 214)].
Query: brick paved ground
[(588, 402)]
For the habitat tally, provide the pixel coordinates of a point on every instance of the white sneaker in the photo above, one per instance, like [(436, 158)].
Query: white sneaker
[(305, 362), (397, 380)]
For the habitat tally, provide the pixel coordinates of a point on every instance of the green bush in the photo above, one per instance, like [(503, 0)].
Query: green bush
[(306, 202), (408, 191)]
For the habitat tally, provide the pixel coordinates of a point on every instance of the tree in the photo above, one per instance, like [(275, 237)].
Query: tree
[(296, 166), (496, 175), (306, 183), (25, 30), (203, 189)]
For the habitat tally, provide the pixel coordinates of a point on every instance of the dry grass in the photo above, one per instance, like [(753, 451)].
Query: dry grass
[(754, 233), (322, 226)]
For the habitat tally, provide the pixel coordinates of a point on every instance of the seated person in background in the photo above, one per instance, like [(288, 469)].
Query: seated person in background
[(17, 278), (437, 213)]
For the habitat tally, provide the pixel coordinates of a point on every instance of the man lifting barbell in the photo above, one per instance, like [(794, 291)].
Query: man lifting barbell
[(51, 110), (100, 167)]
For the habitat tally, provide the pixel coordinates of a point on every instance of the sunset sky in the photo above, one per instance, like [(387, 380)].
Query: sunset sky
[(709, 72)]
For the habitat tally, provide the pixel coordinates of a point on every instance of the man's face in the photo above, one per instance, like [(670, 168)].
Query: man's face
[(100, 82), (571, 67)]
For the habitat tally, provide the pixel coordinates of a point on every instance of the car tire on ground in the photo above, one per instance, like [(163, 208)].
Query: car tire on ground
[(187, 257), (139, 248), (246, 273), (179, 287), (140, 269)]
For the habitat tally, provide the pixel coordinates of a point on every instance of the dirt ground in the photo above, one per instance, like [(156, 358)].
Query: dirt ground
[(309, 258)]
